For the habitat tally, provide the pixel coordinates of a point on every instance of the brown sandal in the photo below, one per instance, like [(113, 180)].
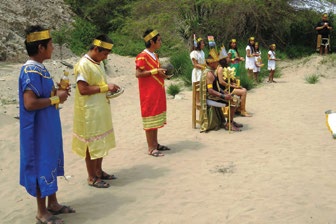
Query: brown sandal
[(155, 153), (98, 184)]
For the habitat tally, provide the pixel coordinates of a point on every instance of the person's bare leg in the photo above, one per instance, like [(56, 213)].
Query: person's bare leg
[(42, 212), (270, 77), (91, 166), (326, 50), (243, 94), (256, 76), (250, 73), (99, 167), (152, 141)]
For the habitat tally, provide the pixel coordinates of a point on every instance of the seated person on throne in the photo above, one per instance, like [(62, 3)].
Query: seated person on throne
[(213, 98), (224, 72)]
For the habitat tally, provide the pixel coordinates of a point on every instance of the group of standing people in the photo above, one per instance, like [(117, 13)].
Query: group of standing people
[(41, 144)]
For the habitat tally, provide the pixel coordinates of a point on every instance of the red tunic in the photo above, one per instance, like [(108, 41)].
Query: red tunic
[(152, 93)]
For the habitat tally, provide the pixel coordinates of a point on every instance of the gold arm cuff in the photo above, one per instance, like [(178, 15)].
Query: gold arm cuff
[(103, 89), (102, 44), (151, 35), (154, 71), (210, 86), (36, 36), (54, 100)]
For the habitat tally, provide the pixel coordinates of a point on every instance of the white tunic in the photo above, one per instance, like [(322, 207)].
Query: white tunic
[(271, 63), (200, 58)]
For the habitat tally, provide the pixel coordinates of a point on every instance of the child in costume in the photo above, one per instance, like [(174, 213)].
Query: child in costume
[(41, 144)]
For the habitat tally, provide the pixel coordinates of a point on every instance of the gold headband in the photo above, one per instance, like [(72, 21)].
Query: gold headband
[(102, 44), (233, 41), (199, 39), (251, 38), (272, 45), (151, 35), (40, 35)]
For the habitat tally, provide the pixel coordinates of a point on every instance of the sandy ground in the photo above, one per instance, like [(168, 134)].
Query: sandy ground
[(280, 169)]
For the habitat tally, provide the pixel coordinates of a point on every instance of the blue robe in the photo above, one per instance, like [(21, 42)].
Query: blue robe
[(41, 146)]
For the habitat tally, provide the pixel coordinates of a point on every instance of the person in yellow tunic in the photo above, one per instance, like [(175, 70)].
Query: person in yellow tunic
[(93, 134)]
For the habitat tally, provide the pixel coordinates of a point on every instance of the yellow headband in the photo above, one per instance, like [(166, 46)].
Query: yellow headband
[(40, 35), (251, 38), (102, 44), (199, 39), (233, 41), (151, 35), (272, 45)]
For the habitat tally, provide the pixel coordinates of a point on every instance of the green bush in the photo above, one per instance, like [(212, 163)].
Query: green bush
[(312, 79), (298, 51), (82, 35), (125, 46), (183, 66), (173, 89)]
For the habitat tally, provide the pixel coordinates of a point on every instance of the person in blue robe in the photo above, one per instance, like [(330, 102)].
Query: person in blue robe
[(41, 146)]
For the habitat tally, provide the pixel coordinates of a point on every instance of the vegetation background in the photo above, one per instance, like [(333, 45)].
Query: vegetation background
[(269, 21)]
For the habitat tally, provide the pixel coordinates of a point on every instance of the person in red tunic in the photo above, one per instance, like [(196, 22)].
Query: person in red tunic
[(152, 91)]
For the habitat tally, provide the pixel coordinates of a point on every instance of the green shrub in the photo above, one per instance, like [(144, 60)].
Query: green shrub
[(125, 46), (312, 79), (183, 66), (173, 89), (82, 35), (245, 81), (297, 51)]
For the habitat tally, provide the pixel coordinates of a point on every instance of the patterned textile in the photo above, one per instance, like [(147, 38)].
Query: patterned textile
[(212, 118)]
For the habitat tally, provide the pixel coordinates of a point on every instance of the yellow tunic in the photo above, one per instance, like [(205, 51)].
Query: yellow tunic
[(92, 127)]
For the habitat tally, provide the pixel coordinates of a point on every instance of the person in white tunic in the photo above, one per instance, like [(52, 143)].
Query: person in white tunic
[(198, 60), (271, 62), (250, 57)]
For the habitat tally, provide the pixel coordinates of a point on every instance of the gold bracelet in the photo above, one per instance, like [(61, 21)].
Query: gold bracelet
[(103, 89), (54, 100), (209, 86), (154, 71)]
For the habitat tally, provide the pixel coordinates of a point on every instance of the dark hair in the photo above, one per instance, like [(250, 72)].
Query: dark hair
[(148, 31), (102, 37), (199, 45), (224, 63), (252, 46), (32, 47)]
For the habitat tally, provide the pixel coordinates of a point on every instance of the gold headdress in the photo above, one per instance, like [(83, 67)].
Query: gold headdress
[(251, 38), (40, 35), (214, 56), (102, 44), (233, 41), (199, 39), (272, 45), (151, 35)]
